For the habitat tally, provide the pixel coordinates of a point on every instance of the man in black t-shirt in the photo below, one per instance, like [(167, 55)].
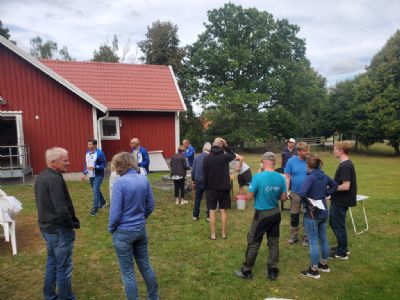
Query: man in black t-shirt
[(342, 199)]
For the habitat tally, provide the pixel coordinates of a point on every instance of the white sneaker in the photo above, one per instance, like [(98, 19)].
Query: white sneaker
[(177, 202), (184, 202)]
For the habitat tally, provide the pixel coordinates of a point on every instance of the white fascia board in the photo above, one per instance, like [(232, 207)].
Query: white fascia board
[(33, 61), (177, 88)]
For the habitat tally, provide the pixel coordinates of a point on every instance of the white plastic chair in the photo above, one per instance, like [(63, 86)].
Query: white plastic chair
[(9, 228)]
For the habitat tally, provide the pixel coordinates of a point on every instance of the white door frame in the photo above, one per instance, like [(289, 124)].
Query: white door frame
[(20, 130)]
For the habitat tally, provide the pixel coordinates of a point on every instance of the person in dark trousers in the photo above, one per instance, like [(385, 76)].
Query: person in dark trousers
[(295, 172), (344, 197), (267, 188), (132, 204), (178, 174), (57, 221), (288, 152), (197, 178), (316, 187), (95, 163), (217, 183)]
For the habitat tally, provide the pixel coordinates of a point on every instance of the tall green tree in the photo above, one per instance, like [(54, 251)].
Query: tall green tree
[(161, 46), (107, 52), (43, 50), (246, 62)]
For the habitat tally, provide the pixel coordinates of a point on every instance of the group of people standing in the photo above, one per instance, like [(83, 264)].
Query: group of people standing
[(132, 202), (304, 183)]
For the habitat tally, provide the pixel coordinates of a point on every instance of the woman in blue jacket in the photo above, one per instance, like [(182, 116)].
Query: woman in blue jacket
[(131, 205), (316, 186)]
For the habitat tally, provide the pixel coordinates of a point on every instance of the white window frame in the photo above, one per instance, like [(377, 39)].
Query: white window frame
[(116, 121)]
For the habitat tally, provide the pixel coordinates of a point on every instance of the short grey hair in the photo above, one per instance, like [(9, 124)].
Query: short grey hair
[(55, 153), (122, 162), (207, 147)]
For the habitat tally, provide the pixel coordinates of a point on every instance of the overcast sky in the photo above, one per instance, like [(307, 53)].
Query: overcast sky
[(341, 35)]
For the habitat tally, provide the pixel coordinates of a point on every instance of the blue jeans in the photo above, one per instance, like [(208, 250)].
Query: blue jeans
[(59, 265), (131, 245), (316, 231), (197, 202), (98, 198), (337, 221)]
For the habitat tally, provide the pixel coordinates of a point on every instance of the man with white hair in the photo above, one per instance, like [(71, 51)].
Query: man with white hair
[(217, 183), (57, 221), (140, 155), (197, 178)]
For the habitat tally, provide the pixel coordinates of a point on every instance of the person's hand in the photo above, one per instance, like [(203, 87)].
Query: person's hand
[(237, 168), (288, 195), (83, 177)]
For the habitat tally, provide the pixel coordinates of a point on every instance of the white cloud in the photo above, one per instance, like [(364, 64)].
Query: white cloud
[(341, 35)]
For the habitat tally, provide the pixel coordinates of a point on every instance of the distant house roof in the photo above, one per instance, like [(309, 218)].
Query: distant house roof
[(120, 86)]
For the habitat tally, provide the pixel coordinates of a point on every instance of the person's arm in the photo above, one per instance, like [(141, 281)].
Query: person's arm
[(149, 201), (305, 187), (58, 199), (241, 160), (185, 164), (189, 152), (250, 195), (194, 167), (229, 154), (284, 194), (205, 173), (332, 186), (115, 207), (145, 158), (288, 172), (252, 188), (345, 186), (101, 161)]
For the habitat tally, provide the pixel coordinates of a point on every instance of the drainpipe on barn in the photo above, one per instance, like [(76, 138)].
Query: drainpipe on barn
[(99, 129)]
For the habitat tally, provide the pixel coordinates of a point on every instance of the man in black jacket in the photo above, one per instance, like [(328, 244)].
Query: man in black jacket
[(57, 220), (217, 183)]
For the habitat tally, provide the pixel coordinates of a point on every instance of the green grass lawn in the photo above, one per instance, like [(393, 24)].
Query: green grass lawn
[(189, 266)]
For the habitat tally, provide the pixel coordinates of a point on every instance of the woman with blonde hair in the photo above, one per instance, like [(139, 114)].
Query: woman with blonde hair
[(132, 203)]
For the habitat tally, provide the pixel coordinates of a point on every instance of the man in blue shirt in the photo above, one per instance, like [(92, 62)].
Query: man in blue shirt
[(190, 151), (295, 172), (140, 155), (268, 187), (95, 163)]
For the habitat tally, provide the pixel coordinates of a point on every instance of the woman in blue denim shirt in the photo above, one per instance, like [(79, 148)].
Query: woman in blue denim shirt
[(132, 203), (316, 186)]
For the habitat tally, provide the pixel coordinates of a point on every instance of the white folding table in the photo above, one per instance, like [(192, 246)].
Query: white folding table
[(360, 199)]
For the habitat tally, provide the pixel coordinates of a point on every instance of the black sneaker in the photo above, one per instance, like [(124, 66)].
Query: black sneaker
[(335, 249), (311, 273), (103, 205), (244, 275), (333, 255), (93, 212), (323, 268), (272, 273)]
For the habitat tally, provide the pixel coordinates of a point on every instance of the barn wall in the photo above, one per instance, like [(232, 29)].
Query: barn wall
[(65, 120), (155, 130)]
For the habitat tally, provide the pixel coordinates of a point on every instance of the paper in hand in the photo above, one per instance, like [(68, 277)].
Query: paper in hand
[(317, 203)]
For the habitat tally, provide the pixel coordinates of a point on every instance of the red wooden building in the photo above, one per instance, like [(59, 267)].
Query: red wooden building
[(63, 103)]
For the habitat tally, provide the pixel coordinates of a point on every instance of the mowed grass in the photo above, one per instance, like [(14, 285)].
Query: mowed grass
[(189, 266)]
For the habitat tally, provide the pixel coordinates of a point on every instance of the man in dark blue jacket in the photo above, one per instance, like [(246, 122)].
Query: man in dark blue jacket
[(95, 163), (197, 178)]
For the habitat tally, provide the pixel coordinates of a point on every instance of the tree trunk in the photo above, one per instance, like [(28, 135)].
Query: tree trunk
[(396, 150)]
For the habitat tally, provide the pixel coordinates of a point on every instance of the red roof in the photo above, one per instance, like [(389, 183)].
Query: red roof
[(121, 86)]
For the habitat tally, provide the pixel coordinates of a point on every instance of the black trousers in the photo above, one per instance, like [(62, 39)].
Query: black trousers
[(179, 187)]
